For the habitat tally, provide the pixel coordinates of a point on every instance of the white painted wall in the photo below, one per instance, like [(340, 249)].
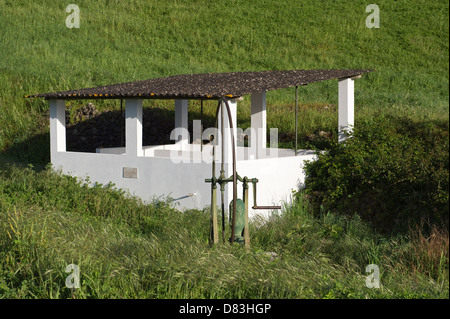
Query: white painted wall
[(278, 177), (160, 177), (156, 177), (178, 170)]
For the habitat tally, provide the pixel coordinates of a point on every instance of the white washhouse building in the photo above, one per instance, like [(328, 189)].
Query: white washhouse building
[(179, 170)]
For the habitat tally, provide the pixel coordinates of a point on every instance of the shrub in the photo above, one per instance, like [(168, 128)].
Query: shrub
[(393, 172)]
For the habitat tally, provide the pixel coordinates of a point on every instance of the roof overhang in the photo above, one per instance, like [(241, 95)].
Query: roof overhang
[(207, 85)]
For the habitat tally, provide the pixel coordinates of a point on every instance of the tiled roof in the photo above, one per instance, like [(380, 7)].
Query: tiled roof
[(206, 86)]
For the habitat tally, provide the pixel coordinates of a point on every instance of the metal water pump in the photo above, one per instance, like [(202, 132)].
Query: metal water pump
[(238, 208)]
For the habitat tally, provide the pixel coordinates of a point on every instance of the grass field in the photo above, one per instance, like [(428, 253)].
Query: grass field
[(118, 42), (127, 249)]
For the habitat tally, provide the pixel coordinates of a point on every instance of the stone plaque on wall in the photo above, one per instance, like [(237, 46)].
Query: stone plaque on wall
[(130, 172)]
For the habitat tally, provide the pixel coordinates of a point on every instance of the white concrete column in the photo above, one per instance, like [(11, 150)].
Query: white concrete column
[(346, 106), (259, 122), (57, 127), (181, 122), (133, 127), (228, 151)]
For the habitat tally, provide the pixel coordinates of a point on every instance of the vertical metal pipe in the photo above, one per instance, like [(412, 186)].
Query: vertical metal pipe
[(221, 133), (223, 212), (215, 141), (222, 171), (296, 125), (214, 229), (246, 230), (254, 193)]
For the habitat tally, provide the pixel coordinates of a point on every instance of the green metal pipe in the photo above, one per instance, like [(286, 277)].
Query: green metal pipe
[(214, 230), (296, 125), (245, 197)]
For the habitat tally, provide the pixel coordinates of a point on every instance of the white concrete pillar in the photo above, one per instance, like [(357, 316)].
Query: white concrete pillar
[(181, 122), (57, 127), (228, 151), (346, 106), (259, 122), (133, 127)]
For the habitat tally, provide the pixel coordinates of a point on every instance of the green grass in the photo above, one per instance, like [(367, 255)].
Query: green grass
[(126, 249), (151, 39), (129, 249)]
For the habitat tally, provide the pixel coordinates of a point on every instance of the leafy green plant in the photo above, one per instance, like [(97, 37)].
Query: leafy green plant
[(392, 172)]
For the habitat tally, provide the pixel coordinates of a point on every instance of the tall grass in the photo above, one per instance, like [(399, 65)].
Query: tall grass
[(128, 249)]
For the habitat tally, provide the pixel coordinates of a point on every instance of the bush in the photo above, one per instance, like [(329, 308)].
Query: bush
[(394, 172)]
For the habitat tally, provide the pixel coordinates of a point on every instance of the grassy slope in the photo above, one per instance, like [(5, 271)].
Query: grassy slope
[(129, 250), (124, 42)]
